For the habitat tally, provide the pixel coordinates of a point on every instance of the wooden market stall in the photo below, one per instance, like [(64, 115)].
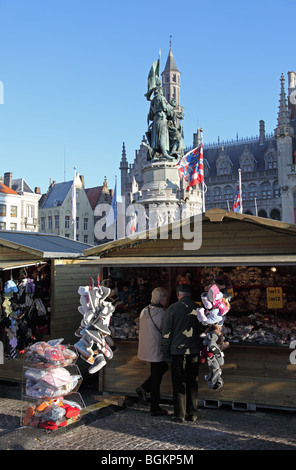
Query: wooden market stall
[(50, 265), (257, 254)]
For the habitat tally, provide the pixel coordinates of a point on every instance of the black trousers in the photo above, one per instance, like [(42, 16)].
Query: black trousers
[(152, 384), (185, 369)]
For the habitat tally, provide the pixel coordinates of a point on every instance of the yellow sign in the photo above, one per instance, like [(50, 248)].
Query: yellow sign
[(274, 297)]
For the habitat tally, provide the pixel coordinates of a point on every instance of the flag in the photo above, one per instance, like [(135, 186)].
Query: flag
[(153, 78), (133, 224), (73, 202), (238, 202), (112, 214), (191, 167)]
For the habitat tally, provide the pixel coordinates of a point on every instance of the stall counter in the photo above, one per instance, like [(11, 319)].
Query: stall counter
[(262, 376)]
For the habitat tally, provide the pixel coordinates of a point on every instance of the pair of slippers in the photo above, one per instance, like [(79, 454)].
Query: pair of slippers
[(95, 342)]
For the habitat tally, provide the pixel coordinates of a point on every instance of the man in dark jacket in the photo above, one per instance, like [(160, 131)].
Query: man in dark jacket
[(181, 346)]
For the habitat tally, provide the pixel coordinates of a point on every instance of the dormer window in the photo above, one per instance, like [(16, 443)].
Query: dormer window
[(247, 161), (270, 158), (223, 164), (246, 167)]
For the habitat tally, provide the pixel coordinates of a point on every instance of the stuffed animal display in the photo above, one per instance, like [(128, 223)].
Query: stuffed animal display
[(213, 315)]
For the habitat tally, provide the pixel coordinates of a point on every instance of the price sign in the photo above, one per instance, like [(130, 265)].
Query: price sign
[(274, 297)]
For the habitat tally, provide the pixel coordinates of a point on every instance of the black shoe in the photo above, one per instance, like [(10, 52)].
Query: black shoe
[(177, 420), (191, 418), (142, 395), (160, 412)]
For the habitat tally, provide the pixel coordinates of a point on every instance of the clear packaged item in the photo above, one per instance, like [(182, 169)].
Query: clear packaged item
[(52, 414), (50, 383)]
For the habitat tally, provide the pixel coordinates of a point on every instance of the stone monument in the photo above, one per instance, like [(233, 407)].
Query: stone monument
[(162, 193)]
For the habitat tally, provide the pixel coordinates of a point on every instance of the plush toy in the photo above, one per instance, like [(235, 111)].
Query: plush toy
[(212, 314), (212, 352)]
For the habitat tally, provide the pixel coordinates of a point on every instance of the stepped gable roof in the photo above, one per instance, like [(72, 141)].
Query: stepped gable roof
[(6, 190), (57, 194)]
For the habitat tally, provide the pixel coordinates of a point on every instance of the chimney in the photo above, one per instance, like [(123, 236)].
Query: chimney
[(261, 132), (8, 179), (82, 180), (37, 190)]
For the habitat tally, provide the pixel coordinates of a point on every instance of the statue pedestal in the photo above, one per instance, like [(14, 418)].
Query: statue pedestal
[(162, 185)]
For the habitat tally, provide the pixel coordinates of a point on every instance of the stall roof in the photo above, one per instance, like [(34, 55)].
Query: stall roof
[(227, 238), (5, 265), (42, 245)]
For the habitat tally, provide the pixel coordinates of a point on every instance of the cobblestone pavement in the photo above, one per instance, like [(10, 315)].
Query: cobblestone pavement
[(133, 429)]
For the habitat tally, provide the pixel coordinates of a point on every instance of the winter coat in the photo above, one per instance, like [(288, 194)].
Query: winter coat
[(181, 333), (150, 348)]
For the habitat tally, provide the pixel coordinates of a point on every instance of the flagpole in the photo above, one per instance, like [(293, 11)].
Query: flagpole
[(256, 208), (115, 217), (203, 183), (74, 204), (240, 190)]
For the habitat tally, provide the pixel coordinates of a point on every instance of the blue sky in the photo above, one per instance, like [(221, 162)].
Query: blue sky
[(75, 73)]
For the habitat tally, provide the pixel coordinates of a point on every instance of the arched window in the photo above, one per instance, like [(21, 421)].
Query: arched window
[(217, 194), (266, 190), (275, 214), (228, 194), (252, 191), (262, 213), (276, 189)]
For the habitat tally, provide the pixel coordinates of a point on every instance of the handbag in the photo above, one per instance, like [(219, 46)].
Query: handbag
[(161, 345), (153, 321)]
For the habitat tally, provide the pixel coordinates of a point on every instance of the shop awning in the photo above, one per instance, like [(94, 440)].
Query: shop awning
[(5, 265), (227, 238), (40, 245), (192, 261)]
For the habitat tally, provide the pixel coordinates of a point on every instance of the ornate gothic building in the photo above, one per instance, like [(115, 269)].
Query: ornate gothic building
[(267, 162)]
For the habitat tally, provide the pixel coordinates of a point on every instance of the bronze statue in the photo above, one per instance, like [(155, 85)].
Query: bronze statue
[(159, 130), (165, 133)]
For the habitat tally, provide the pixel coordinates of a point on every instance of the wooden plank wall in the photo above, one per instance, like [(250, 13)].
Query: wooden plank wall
[(254, 375), (9, 254), (67, 277), (222, 239), (125, 372), (12, 370)]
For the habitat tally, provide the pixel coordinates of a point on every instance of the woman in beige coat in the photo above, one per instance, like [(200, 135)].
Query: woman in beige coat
[(150, 348)]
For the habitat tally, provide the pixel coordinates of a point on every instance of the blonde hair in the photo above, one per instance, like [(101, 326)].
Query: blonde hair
[(158, 295)]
